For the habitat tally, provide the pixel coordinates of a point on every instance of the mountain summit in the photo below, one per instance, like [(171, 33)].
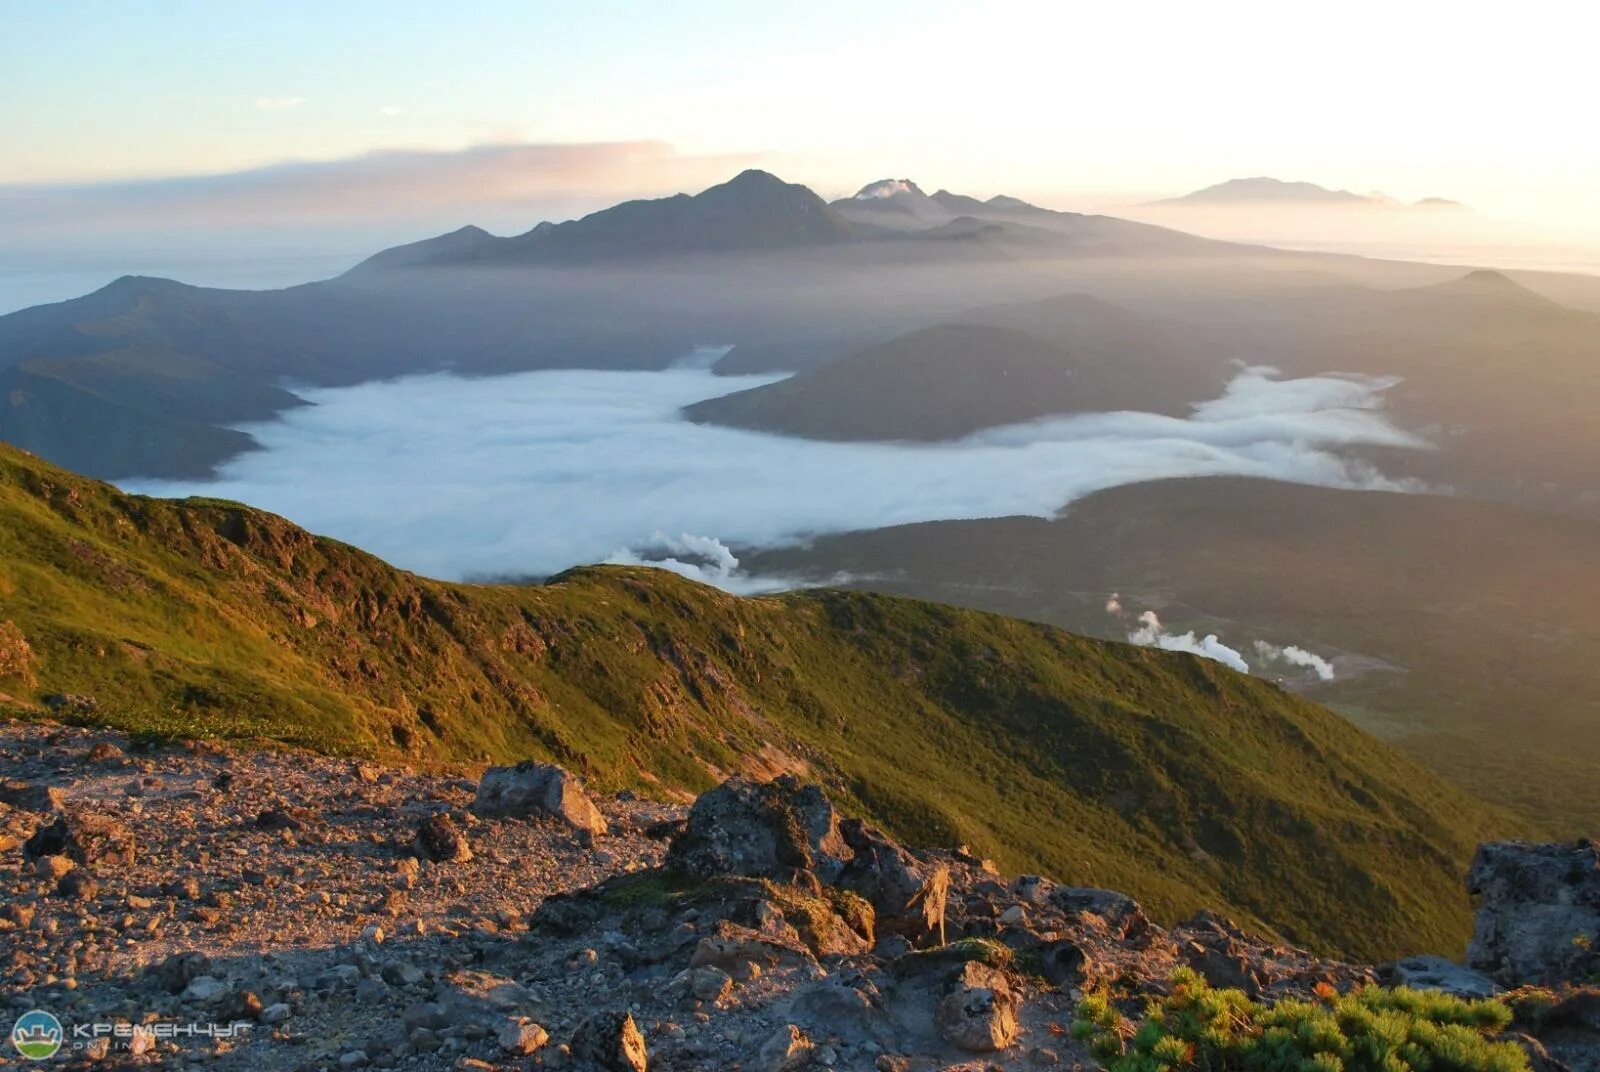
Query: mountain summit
[(888, 188), (755, 210)]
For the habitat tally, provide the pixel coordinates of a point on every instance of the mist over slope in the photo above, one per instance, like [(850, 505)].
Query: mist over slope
[(1168, 776)]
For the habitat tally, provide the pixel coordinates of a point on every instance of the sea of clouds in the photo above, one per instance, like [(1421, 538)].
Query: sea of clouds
[(525, 475)]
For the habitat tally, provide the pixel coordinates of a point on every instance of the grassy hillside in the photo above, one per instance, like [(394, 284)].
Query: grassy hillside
[(1461, 628), (1170, 777)]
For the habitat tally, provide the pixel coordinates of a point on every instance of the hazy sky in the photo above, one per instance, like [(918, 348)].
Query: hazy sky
[(1487, 103)]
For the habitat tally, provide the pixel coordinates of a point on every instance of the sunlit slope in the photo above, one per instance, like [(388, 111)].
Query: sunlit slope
[(1164, 775), (1463, 627)]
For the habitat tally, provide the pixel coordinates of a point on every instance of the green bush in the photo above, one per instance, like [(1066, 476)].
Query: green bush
[(1369, 1030)]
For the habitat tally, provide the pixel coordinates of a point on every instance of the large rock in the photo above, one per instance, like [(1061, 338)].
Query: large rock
[(979, 1013), (87, 837), (1538, 914), (761, 830), (537, 790), (908, 896), (786, 1050), (440, 840), (609, 1041)]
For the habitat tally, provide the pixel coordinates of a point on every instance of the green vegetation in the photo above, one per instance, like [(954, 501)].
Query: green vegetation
[(1170, 777), (1371, 1030), (1464, 625)]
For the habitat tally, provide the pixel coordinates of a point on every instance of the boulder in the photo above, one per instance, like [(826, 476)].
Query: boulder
[(1120, 912), (1067, 964), (609, 1041), (519, 1038), (761, 830), (786, 1050), (31, 796), (908, 897), (87, 837), (1223, 965), (180, 970), (1538, 916), (438, 839), (979, 1012), (710, 984), (104, 752), (537, 790), (77, 886)]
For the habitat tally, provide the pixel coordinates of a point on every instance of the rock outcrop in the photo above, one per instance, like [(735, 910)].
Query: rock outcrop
[(772, 936), (979, 1014), (761, 830), (1539, 912)]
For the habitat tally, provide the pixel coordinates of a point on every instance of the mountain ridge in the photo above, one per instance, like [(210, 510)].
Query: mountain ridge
[(1185, 783), (1265, 190)]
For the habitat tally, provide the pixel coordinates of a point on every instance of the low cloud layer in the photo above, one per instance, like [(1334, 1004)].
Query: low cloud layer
[(528, 474)]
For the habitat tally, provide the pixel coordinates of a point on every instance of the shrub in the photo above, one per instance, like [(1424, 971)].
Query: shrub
[(1373, 1029)]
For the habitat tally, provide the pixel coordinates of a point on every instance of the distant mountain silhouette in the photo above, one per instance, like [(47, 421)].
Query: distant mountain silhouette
[(752, 211), (1485, 285), (1263, 190), (998, 365)]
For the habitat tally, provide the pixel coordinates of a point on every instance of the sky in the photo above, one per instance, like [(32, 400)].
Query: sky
[(171, 119)]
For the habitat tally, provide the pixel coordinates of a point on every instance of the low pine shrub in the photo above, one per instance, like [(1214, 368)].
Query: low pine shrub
[(1373, 1029)]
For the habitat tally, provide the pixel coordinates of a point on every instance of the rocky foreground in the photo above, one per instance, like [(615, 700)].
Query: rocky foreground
[(267, 909)]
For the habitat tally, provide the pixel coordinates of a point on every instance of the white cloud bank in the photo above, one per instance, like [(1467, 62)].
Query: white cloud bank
[(531, 473)]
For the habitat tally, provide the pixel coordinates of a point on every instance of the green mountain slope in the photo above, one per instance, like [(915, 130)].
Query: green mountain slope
[(1460, 627), (1168, 776)]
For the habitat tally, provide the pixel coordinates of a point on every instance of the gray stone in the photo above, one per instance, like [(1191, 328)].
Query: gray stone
[(610, 1041), (907, 896), (1538, 918), (521, 1038), (180, 969), (979, 1014), (1439, 973), (205, 989), (438, 839), (785, 1050), (539, 790), (761, 830)]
